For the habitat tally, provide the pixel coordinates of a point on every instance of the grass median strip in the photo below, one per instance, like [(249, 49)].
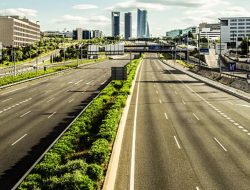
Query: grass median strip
[(80, 157), (29, 75)]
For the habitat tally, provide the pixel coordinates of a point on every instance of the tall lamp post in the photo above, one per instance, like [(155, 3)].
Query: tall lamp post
[(14, 57), (64, 49), (38, 48), (220, 47)]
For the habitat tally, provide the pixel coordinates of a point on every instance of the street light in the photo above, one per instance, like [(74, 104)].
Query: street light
[(14, 57), (38, 47), (64, 49), (220, 45)]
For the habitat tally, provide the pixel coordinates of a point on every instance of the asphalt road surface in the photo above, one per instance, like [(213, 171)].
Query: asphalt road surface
[(182, 134), (33, 114)]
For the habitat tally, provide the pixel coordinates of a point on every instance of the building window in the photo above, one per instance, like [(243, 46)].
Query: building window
[(241, 23), (233, 20), (233, 28), (233, 24), (241, 20), (241, 27)]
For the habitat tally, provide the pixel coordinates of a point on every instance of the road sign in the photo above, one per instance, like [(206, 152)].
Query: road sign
[(232, 66), (221, 47), (93, 50), (204, 51), (116, 49), (119, 73)]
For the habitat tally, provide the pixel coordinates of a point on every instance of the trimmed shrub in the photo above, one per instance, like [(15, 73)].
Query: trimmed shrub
[(99, 151), (95, 172)]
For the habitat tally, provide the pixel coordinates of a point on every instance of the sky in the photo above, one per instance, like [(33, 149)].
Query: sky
[(163, 15)]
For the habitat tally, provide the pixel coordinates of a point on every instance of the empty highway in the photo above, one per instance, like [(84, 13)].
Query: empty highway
[(33, 114), (183, 134)]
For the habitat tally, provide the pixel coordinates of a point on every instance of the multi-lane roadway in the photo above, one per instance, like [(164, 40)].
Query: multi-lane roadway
[(183, 134), (33, 114)]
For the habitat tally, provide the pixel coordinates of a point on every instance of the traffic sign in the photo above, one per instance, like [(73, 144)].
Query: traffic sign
[(232, 66), (204, 51)]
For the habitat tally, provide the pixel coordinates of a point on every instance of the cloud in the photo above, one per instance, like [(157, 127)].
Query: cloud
[(84, 6), (78, 21), (178, 3), (132, 5), (19, 12)]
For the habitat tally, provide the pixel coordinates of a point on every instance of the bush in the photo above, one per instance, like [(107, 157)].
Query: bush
[(95, 172), (71, 166), (31, 182), (99, 151)]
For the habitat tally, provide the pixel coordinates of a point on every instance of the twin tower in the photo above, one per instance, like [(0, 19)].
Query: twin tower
[(142, 24)]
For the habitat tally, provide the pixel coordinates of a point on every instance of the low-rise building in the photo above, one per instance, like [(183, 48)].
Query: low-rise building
[(173, 33), (97, 34), (18, 31), (211, 35)]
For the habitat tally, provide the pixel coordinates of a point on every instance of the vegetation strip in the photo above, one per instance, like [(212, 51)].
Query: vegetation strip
[(30, 75), (79, 159)]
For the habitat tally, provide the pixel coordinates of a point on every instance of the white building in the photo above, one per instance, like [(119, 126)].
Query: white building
[(211, 35), (235, 29), (18, 31)]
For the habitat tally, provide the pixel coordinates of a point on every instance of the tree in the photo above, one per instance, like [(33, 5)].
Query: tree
[(244, 46)]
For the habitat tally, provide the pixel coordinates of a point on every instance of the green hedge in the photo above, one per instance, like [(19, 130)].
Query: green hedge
[(80, 157)]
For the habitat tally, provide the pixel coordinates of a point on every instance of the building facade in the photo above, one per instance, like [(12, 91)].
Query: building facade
[(211, 35), (115, 17), (97, 34), (234, 29), (173, 33), (86, 34), (128, 25), (18, 31), (142, 24), (77, 34)]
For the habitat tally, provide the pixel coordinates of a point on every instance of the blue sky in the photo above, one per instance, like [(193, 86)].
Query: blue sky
[(163, 15)]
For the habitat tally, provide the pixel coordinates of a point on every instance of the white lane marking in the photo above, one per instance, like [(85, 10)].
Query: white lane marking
[(157, 92), (11, 107), (175, 92), (90, 82), (240, 127), (50, 100), (14, 90), (248, 134), (166, 116), (196, 116), (25, 114), (78, 82), (71, 100), (236, 124), (154, 85), (197, 188), (176, 141), (52, 115), (243, 105), (19, 140), (132, 169), (220, 144), (231, 103), (245, 130), (183, 102), (7, 100), (160, 101), (103, 82), (70, 82)]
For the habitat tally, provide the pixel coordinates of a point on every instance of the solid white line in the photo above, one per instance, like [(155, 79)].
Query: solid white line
[(160, 101), (177, 142), (220, 144), (243, 105), (7, 100), (50, 100), (166, 116), (19, 140), (52, 115), (132, 169), (196, 116), (25, 114)]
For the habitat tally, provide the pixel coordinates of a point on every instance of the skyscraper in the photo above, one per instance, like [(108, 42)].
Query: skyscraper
[(142, 24), (115, 24), (128, 25)]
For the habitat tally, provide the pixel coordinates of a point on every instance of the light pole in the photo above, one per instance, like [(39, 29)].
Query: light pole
[(14, 57), (37, 53), (64, 49), (220, 46)]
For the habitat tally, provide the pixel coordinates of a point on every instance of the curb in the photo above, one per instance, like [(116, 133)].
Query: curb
[(211, 83), (110, 179)]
